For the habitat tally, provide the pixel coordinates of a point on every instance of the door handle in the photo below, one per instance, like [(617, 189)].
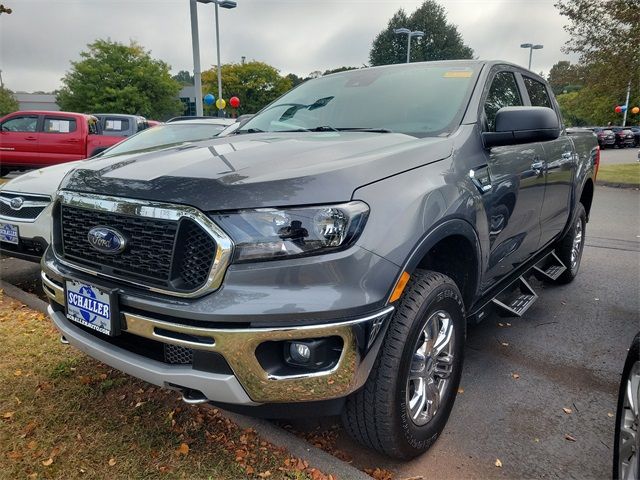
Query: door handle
[(30, 138), (71, 140)]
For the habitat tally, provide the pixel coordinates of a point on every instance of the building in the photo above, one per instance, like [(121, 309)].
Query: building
[(188, 98), (36, 101)]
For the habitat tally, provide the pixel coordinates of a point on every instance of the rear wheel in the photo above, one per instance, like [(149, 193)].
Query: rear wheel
[(569, 249), (407, 399)]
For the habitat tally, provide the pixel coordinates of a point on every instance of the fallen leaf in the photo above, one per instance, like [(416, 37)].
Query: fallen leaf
[(8, 415), (250, 470), (46, 463), (505, 344), (515, 376), (139, 404), (461, 390), (537, 440), (566, 410), (498, 463), (183, 449), (265, 474), (17, 373), (569, 437), (112, 462), (609, 414)]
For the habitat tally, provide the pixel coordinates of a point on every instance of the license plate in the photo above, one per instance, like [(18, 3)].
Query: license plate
[(92, 306), (9, 233)]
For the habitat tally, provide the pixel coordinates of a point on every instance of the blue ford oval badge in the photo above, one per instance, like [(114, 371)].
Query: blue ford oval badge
[(106, 240)]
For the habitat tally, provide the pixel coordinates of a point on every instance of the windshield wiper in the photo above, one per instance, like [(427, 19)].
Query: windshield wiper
[(364, 129), (248, 130)]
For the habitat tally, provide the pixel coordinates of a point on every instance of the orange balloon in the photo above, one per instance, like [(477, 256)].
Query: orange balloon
[(635, 110)]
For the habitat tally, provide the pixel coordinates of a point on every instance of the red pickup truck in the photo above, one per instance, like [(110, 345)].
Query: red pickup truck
[(35, 139)]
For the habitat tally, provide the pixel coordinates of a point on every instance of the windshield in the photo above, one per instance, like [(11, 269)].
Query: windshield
[(419, 99), (164, 136)]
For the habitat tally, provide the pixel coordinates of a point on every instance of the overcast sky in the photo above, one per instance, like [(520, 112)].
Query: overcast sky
[(40, 38)]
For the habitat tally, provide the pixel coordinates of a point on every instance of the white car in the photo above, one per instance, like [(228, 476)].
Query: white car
[(25, 216), (26, 201)]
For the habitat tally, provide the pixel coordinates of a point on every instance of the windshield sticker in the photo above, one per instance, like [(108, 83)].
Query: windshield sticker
[(458, 74)]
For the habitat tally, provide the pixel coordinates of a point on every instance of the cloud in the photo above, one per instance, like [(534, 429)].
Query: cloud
[(40, 38)]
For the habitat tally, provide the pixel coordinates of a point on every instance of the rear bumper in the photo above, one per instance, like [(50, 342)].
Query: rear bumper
[(251, 383)]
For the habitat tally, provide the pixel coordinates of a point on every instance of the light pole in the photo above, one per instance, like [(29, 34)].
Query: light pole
[(531, 48), (224, 4), (195, 43), (410, 35)]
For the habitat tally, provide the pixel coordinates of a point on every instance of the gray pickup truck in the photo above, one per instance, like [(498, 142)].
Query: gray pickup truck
[(326, 257)]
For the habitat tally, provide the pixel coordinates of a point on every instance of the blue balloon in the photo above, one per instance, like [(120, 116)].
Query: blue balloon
[(623, 107), (209, 99)]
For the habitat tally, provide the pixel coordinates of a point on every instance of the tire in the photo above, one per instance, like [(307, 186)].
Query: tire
[(4, 171), (379, 415), (565, 248), (625, 416)]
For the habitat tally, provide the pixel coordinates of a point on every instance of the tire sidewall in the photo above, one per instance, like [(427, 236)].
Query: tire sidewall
[(419, 438)]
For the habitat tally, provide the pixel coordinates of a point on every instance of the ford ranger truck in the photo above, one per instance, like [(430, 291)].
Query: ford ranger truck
[(327, 256)]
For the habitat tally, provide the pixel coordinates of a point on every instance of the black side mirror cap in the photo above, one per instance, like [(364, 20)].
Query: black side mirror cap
[(516, 125)]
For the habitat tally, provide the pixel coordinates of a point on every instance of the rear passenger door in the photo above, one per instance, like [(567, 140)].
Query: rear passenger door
[(559, 168), (61, 140), (514, 172), (116, 127), (19, 140)]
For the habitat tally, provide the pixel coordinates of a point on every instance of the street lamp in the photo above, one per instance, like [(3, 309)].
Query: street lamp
[(531, 48), (224, 4), (410, 35)]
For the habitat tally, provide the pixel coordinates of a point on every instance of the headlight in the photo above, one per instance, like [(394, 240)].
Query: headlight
[(270, 234)]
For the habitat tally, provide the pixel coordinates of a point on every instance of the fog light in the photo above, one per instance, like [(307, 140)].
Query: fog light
[(300, 353)]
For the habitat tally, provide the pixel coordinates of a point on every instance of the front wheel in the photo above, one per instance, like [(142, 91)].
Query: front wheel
[(406, 401)]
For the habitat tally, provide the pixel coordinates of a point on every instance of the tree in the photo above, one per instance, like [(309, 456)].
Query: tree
[(8, 103), (565, 77), (117, 78), (606, 35), (256, 84), (442, 41), (183, 78)]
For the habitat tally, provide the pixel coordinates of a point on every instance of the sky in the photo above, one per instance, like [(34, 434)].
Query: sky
[(41, 37)]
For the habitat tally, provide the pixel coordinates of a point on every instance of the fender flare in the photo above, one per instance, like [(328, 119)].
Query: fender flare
[(444, 229)]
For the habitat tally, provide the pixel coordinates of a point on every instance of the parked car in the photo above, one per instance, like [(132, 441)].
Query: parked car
[(326, 257), (35, 139), (624, 137), (121, 125), (636, 136), (606, 137), (25, 202), (626, 447)]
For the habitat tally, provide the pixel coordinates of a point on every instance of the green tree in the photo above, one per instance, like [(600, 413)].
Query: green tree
[(256, 84), (8, 103), (183, 78), (606, 35), (442, 41), (565, 77), (118, 78)]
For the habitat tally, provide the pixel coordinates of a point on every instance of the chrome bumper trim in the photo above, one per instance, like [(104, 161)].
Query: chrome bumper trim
[(162, 211), (54, 291), (238, 347)]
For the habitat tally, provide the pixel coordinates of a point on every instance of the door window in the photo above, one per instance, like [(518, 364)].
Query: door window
[(59, 125), (116, 125), (503, 93), (537, 93), (20, 124)]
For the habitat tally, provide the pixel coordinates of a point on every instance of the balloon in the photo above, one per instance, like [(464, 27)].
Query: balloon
[(618, 109), (220, 103), (635, 110), (234, 102), (623, 108), (209, 99)]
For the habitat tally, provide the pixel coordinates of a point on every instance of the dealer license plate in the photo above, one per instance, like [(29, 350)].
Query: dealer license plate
[(91, 306), (9, 233)]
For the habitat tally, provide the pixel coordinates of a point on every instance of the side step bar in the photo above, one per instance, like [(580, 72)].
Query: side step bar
[(516, 305), (550, 268)]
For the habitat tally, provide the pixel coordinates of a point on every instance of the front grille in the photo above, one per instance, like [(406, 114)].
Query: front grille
[(176, 255), (32, 205), (175, 354)]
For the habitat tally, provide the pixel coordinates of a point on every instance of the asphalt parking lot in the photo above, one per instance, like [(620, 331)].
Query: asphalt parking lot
[(566, 352)]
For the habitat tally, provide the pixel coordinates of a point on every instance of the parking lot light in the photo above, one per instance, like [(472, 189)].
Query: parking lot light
[(410, 35), (531, 48)]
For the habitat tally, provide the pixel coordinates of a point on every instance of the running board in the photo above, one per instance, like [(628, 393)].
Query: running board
[(515, 305), (549, 268)]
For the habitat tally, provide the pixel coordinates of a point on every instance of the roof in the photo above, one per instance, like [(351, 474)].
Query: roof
[(49, 112)]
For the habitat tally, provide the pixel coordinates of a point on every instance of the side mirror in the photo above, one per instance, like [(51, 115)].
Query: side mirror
[(515, 125)]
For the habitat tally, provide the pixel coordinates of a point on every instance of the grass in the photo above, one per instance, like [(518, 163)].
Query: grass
[(65, 415), (627, 173)]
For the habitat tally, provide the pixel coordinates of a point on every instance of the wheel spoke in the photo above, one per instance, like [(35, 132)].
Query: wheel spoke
[(444, 366), (433, 399), (419, 399)]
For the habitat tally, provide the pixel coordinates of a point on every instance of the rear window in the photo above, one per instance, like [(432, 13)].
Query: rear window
[(116, 125), (59, 125)]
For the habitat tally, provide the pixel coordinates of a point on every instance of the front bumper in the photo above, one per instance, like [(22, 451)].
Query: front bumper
[(34, 236), (250, 383)]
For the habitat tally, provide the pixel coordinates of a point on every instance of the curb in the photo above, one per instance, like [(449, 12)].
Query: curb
[(326, 463), (603, 183)]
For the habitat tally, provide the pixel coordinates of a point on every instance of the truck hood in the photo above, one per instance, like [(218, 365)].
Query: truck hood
[(44, 181), (258, 170)]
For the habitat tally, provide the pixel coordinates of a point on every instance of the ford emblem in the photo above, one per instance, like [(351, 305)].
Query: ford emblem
[(16, 203), (106, 240)]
